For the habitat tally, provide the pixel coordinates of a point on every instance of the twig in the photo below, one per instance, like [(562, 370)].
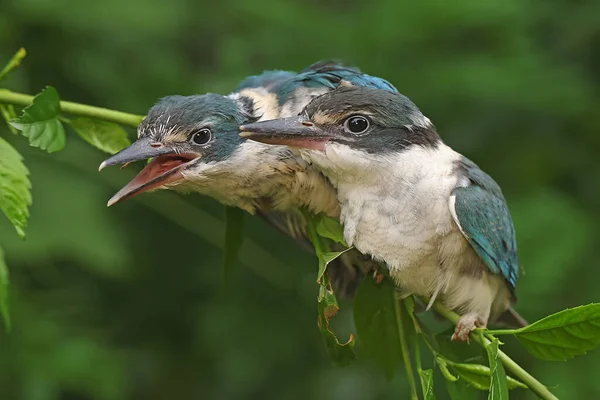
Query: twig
[(533, 384), (405, 351), (119, 117)]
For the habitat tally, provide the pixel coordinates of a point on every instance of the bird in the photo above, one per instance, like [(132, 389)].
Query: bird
[(440, 223), (194, 145)]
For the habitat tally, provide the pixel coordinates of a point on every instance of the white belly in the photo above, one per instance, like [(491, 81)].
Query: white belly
[(402, 216)]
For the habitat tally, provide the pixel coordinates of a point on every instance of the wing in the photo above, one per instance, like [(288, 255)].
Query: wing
[(265, 80), (328, 75), (482, 215)]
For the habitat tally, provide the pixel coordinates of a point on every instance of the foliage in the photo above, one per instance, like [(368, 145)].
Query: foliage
[(14, 187), (341, 353), (122, 303), (385, 324), (40, 123), (563, 335), (103, 135)]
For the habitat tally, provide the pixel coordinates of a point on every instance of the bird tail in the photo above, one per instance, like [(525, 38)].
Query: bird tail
[(512, 318)]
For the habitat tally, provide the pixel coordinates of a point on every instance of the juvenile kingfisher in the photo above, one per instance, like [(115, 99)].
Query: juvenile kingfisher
[(439, 222), (194, 145)]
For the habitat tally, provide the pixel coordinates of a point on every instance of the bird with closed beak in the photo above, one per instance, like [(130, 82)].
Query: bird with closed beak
[(435, 218), (194, 146)]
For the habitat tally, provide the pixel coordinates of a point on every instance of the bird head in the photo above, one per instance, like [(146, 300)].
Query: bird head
[(348, 126), (186, 137)]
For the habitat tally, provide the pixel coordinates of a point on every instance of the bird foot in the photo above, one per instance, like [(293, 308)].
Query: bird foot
[(378, 276), (467, 324)]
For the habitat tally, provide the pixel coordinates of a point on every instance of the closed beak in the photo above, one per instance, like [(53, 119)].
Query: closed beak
[(293, 132)]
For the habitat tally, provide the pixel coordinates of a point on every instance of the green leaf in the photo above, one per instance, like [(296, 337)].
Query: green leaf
[(106, 136), (234, 238), (427, 384), (479, 377), (498, 385), (563, 335), (4, 291), (8, 113), (458, 351), (340, 353), (443, 366), (330, 228), (324, 260), (377, 324), (15, 195), (40, 123), (14, 62)]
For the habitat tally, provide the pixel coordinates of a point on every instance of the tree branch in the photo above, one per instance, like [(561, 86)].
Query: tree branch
[(119, 117), (533, 384)]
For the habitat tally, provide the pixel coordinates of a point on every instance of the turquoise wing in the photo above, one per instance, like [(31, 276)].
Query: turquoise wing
[(329, 75), (483, 217)]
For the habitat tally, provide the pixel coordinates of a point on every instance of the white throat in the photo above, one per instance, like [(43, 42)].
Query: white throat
[(258, 175)]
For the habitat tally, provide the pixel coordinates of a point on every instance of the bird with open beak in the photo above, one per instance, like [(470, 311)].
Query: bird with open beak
[(194, 146), (439, 222)]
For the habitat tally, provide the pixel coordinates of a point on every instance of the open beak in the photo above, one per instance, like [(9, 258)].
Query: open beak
[(165, 167), (294, 132)]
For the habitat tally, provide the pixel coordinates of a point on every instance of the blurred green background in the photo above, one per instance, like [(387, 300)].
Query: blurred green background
[(127, 303)]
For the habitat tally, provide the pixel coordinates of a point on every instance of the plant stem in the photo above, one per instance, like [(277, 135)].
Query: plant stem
[(502, 331), (119, 117), (405, 351), (533, 384)]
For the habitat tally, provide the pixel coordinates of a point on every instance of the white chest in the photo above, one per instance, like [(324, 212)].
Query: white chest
[(396, 208)]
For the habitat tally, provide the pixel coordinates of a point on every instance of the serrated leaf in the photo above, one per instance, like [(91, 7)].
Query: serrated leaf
[(340, 353), (13, 63), (40, 124), (8, 113), (427, 384), (15, 195), (479, 376), (330, 228), (377, 324), (106, 136), (498, 384), (234, 238), (4, 291), (563, 335)]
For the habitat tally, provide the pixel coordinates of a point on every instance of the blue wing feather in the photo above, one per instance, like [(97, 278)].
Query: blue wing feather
[(485, 221), (328, 74), (267, 79)]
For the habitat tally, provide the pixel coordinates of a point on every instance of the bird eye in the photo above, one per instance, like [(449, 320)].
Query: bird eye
[(201, 136), (356, 124)]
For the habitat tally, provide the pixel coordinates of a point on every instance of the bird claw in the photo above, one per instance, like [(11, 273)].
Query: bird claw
[(467, 324), (378, 277)]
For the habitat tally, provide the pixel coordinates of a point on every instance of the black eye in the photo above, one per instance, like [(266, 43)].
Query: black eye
[(201, 136), (356, 124)]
